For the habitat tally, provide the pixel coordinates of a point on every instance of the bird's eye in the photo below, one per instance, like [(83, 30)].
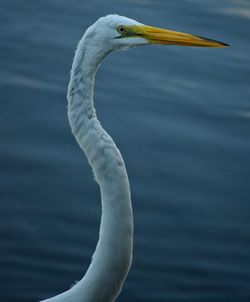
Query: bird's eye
[(121, 29)]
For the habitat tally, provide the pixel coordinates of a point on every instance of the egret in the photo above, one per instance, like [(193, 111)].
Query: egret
[(112, 258)]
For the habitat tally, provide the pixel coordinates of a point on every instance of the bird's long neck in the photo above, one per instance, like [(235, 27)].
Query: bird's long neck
[(112, 258)]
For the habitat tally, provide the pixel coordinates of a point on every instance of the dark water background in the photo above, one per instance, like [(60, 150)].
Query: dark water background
[(181, 118)]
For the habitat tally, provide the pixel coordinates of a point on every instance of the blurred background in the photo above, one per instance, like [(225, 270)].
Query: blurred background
[(181, 118)]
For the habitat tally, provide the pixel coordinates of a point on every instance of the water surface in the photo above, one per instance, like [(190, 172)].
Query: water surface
[(181, 118)]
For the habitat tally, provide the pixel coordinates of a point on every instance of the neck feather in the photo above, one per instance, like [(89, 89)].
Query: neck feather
[(112, 258)]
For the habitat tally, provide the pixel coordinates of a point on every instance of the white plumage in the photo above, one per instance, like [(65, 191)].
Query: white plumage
[(111, 260)]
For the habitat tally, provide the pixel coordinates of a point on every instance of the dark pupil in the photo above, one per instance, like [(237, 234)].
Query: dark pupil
[(122, 29)]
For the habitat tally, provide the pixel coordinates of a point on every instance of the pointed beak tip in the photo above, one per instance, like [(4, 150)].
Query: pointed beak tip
[(213, 43), (225, 45)]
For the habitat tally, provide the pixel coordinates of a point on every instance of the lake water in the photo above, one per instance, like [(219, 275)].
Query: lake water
[(181, 118)]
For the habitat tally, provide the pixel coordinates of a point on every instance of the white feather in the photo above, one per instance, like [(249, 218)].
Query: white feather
[(112, 258)]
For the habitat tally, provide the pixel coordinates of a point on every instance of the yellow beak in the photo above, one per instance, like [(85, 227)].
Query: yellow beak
[(164, 36)]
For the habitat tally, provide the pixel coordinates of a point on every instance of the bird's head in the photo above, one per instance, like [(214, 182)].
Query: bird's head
[(114, 32)]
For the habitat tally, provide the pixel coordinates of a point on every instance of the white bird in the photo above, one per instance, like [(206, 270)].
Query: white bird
[(111, 260)]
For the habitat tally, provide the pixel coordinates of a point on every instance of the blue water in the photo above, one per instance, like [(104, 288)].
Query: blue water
[(181, 118)]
